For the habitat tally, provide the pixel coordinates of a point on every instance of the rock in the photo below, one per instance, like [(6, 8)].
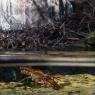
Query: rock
[(16, 14)]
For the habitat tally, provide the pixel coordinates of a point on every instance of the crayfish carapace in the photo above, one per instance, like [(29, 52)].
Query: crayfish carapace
[(40, 75)]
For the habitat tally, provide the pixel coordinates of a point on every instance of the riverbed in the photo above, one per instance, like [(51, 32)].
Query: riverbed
[(78, 84)]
